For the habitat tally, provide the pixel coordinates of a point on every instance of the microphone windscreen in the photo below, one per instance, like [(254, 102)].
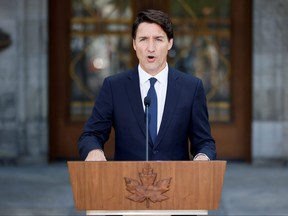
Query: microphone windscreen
[(147, 101)]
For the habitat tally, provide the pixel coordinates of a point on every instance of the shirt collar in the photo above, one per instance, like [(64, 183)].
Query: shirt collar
[(162, 76)]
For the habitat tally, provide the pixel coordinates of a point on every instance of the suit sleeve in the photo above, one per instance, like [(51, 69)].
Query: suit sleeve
[(98, 127), (200, 132)]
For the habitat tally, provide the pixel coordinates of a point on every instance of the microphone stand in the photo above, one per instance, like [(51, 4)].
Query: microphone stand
[(147, 101), (147, 132)]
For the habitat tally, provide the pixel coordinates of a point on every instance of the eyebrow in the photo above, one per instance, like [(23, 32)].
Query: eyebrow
[(160, 36)]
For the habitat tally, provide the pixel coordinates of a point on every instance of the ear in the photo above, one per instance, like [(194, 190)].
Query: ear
[(134, 44), (170, 44)]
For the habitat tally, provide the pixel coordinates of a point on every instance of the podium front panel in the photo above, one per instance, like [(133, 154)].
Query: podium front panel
[(161, 185)]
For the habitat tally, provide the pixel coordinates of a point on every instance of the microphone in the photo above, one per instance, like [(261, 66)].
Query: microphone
[(147, 102)]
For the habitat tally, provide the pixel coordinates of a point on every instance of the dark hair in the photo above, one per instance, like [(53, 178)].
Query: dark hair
[(153, 16)]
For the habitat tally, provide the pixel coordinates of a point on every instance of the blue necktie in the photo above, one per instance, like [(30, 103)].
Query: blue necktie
[(153, 109)]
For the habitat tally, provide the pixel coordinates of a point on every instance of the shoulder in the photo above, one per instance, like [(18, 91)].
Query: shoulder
[(122, 75), (184, 77)]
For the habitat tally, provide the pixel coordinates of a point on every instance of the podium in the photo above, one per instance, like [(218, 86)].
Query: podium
[(147, 187)]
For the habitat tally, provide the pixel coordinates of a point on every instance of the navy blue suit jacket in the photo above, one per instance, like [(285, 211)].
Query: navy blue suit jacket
[(119, 105)]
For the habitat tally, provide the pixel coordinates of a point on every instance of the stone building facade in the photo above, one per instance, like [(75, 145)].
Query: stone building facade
[(24, 81), (270, 75)]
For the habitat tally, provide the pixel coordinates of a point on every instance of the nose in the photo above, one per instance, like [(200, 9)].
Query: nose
[(151, 45)]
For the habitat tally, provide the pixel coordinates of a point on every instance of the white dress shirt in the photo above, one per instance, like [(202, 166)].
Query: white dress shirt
[(160, 87)]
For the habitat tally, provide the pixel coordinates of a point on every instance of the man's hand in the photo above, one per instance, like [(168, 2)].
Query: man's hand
[(96, 155), (201, 157)]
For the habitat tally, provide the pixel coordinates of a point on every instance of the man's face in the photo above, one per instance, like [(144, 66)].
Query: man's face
[(151, 45)]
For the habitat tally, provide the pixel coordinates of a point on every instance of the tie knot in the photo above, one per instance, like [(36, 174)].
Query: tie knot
[(153, 81)]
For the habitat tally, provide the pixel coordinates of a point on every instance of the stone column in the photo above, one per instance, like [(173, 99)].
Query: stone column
[(270, 78), (23, 82)]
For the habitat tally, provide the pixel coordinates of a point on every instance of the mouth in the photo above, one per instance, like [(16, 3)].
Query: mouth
[(151, 58)]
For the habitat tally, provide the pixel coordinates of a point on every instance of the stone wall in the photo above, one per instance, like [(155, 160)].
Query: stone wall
[(270, 78), (23, 81)]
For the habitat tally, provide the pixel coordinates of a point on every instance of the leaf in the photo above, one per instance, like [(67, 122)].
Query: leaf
[(131, 184), (147, 189), (137, 198), (163, 185), (158, 198)]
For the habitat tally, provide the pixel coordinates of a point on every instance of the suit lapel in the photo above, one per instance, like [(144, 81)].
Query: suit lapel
[(172, 96), (134, 95)]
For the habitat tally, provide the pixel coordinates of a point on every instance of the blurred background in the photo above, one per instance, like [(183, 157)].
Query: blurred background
[(55, 54)]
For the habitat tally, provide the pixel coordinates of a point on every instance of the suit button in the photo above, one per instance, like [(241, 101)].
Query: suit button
[(155, 152)]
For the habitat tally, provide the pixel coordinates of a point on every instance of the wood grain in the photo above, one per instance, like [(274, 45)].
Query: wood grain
[(195, 185)]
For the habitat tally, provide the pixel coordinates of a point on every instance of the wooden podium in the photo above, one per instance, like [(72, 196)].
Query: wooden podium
[(147, 187)]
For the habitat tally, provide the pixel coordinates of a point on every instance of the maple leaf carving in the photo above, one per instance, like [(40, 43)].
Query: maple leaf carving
[(147, 189)]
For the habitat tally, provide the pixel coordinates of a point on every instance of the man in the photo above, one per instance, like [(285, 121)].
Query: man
[(178, 101)]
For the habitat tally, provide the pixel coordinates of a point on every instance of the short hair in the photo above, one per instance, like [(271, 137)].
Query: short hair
[(153, 16)]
